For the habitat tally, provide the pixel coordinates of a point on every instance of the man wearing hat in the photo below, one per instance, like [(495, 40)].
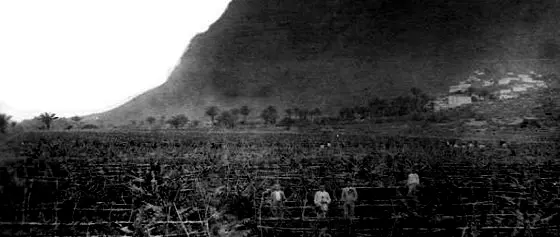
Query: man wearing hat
[(322, 200), (349, 198), (412, 182), (277, 199)]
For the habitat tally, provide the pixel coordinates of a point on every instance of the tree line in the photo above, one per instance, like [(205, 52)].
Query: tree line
[(45, 118), (415, 102), (224, 118), (377, 107)]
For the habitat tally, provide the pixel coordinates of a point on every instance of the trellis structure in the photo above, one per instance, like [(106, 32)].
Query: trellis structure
[(98, 195)]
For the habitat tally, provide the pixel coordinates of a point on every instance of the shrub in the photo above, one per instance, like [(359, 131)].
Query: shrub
[(269, 115), (90, 126), (195, 123), (479, 117), (416, 116), (178, 121), (286, 122), (227, 119), (437, 117)]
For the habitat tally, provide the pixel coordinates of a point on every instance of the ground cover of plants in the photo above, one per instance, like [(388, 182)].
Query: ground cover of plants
[(198, 184)]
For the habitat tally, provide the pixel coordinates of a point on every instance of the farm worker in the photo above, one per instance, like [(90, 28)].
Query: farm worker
[(153, 182), (412, 182), (322, 201), (277, 199), (349, 197)]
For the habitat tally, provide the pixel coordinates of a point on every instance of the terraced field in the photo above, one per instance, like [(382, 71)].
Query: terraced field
[(148, 184)]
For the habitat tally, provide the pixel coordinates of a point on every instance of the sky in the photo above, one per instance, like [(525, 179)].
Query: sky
[(74, 57)]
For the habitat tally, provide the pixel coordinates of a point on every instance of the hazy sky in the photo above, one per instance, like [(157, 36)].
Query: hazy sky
[(76, 57)]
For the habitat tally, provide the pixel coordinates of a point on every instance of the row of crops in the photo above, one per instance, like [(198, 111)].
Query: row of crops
[(149, 184)]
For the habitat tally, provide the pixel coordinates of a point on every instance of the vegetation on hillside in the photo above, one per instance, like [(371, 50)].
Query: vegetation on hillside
[(178, 121), (4, 122)]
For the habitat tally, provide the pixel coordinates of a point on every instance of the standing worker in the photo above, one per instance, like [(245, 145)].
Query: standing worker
[(412, 182), (277, 199), (322, 201), (349, 198)]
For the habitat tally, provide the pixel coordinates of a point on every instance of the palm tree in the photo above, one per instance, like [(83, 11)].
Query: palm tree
[(227, 119), (151, 120), (212, 111), (296, 112), (415, 91), (245, 111), (377, 107), (47, 119), (289, 113), (4, 121), (303, 114), (315, 113), (269, 115), (235, 114)]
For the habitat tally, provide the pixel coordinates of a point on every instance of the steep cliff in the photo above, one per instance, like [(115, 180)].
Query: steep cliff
[(333, 53)]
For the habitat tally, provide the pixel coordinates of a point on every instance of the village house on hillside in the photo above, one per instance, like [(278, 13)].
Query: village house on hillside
[(509, 87), (440, 103), (463, 87), (459, 99), (507, 80), (506, 94)]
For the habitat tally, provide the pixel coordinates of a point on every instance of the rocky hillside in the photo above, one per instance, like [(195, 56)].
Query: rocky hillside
[(334, 53)]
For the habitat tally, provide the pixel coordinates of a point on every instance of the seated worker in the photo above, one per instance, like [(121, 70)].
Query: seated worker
[(322, 200), (349, 198), (277, 199)]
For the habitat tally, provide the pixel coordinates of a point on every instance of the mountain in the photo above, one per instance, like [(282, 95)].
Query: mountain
[(335, 53)]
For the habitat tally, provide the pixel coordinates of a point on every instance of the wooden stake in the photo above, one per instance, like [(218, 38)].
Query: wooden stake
[(181, 219)]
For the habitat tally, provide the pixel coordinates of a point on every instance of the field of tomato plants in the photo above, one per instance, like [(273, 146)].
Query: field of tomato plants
[(198, 184)]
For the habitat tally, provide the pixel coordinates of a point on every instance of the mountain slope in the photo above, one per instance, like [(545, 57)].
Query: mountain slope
[(335, 53)]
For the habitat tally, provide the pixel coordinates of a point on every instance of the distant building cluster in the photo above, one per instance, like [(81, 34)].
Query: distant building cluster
[(480, 86)]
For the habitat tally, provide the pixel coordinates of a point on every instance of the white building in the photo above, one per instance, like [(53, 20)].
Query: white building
[(541, 84), (506, 94), (459, 88), (507, 80), (528, 80), (504, 91), (519, 88), (487, 83), (473, 79), (438, 104), (458, 100), (479, 73)]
